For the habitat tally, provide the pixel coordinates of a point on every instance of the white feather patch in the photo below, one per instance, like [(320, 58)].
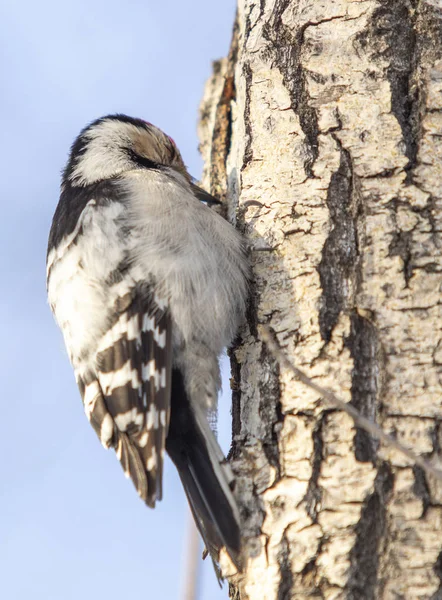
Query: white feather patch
[(91, 392), (131, 417), (76, 291), (152, 418), (142, 442), (152, 460), (120, 378), (149, 370), (149, 325), (107, 430)]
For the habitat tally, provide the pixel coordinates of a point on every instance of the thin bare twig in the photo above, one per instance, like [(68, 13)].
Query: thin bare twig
[(190, 589), (270, 339)]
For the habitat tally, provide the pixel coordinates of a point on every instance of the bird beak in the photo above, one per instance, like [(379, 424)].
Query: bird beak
[(204, 196)]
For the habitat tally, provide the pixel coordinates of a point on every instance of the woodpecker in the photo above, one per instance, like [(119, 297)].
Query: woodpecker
[(148, 285)]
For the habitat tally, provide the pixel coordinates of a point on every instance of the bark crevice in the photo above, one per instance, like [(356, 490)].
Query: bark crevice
[(285, 571), (248, 150), (437, 568), (391, 37), (421, 489), (401, 245), (340, 251), (270, 409), (370, 531), (235, 386), (313, 495), (286, 46), (363, 345)]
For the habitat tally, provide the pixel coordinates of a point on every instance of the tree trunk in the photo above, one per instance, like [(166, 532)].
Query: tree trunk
[(329, 114)]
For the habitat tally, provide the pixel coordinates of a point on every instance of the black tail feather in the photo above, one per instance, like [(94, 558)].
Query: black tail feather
[(205, 475)]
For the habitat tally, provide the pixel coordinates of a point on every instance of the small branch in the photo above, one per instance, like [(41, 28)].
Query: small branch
[(269, 338), (190, 589)]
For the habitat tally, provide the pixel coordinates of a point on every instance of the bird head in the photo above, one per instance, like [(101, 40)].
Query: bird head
[(115, 144)]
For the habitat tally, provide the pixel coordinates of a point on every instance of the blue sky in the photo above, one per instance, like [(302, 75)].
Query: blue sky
[(71, 526)]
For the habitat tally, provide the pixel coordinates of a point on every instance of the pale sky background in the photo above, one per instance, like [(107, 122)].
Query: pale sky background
[(71, 526)]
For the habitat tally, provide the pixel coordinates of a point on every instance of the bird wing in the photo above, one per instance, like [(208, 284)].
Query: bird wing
[(128, 399), (118, 334)]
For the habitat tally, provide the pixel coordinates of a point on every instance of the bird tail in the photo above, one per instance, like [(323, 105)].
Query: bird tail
[(205, 474)]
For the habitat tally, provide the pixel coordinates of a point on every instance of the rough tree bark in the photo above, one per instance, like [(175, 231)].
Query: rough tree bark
[(329, 113)]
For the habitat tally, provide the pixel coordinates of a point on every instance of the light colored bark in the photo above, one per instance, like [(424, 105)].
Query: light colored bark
[(329, 113)]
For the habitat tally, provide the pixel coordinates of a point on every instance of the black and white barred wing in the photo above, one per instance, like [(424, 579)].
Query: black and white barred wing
[(128, 403)]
